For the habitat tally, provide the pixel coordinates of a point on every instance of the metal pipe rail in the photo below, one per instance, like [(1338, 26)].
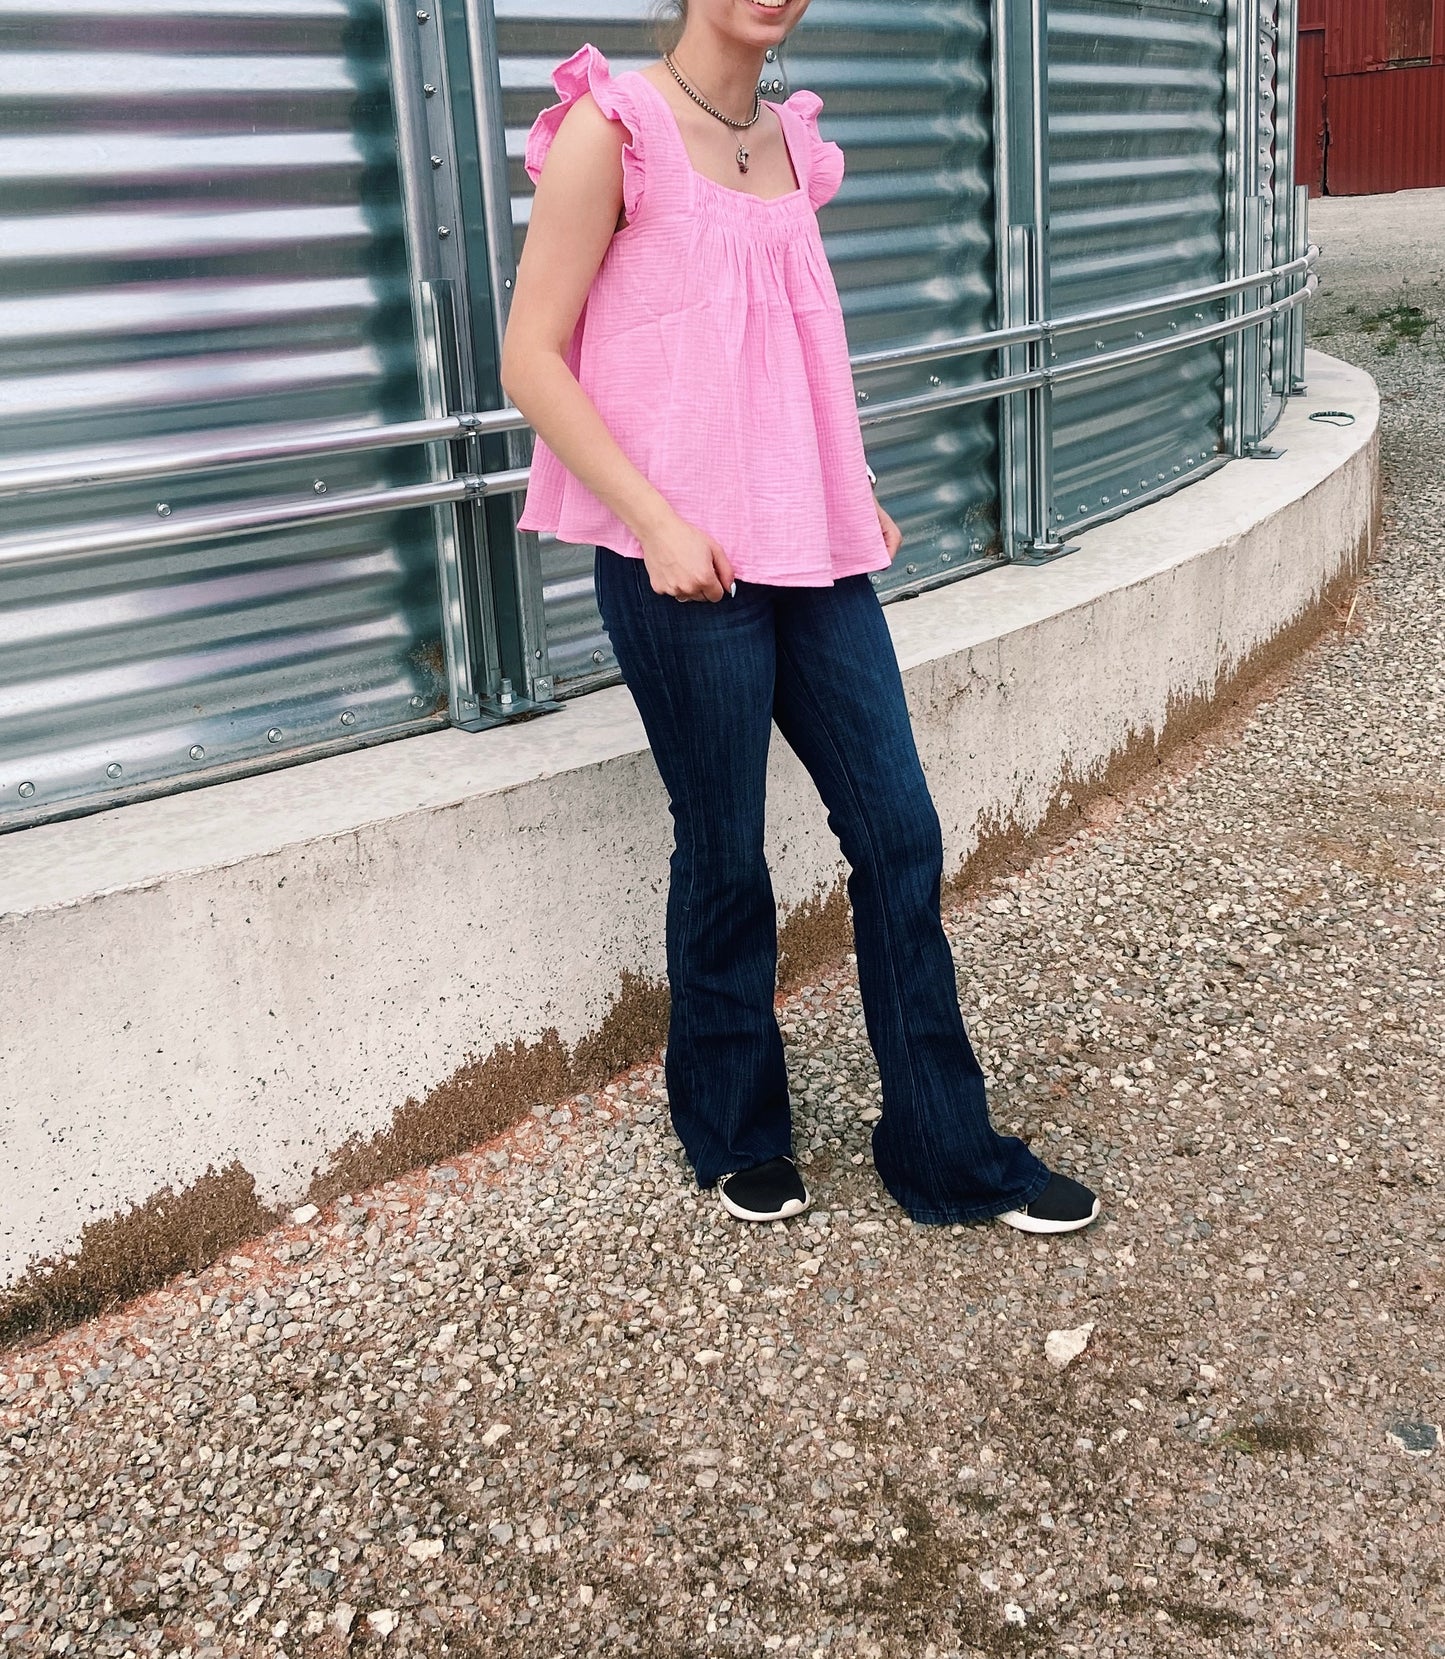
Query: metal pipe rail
[(307, 442), (1052, 374), (284, 515), (300, 443)]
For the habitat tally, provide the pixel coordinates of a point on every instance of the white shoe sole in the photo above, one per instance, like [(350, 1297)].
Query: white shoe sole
[(794, 1206), (1027, 1223)]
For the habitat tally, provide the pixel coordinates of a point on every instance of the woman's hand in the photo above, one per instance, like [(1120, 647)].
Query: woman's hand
[(684, 563), (892, 535)]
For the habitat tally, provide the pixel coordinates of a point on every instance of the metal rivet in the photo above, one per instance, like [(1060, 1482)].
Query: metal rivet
[(777, 86), (506, 282), (27, 790), (163, 508), (599, 656), (423, 17), (771, 54), (933, 380), (1188, 460), (945, 558), (418, 701), (1098, 345), (274, 735), (1138, 333), (1123, 495), (911, 570), (862, 397), (114, 769), (348, 717), (1104, 502), (537, 655), (444, 231), (1083, 506), (429, 89), (319, 486), (437, 161), (197, 752), (978, 545)]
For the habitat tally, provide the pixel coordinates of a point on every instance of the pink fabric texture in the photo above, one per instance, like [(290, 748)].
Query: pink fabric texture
[(712, 345)]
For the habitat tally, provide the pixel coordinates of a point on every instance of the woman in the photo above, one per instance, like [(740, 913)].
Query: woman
[(677, 342)]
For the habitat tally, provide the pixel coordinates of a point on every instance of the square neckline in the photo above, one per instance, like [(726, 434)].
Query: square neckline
[(799, 189)]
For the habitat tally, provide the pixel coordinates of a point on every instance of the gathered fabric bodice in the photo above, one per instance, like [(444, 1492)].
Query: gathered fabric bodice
[(712, 344)]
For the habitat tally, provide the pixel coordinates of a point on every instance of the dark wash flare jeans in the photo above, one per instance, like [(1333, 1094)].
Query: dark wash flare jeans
[(710, 680)]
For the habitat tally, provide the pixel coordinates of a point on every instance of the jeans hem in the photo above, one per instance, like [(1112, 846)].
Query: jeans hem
[(979, 1212)]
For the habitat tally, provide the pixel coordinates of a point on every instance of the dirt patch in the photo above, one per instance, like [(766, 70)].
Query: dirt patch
[(172, 1232), (485, 1096)]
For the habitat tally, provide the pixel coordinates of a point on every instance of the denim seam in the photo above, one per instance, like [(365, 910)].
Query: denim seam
[(806, 690), (980, 1212)]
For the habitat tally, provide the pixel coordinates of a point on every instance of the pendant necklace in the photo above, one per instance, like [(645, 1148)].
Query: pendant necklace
[(727, 120)]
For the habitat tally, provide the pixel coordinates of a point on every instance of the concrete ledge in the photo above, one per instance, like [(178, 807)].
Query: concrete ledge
[(219, 1002)]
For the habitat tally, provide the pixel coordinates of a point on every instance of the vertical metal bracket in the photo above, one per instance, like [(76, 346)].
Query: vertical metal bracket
[(1021, 149), (1297, 313), (516, 556)]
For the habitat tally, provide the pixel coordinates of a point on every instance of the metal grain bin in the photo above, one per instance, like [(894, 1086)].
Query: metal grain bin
[(257, 484)]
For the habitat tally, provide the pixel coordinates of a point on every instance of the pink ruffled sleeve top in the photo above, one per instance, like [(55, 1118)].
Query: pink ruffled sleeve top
[(712, 345)]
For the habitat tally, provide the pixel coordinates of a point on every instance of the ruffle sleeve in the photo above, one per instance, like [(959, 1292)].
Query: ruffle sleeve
[(825, 159), (587, 71)]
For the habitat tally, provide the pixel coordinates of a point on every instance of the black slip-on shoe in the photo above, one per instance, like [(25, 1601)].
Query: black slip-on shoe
[(1064, 1206), (770, 1192)]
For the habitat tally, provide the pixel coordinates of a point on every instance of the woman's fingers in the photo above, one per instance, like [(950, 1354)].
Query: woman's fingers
[(722, 567)]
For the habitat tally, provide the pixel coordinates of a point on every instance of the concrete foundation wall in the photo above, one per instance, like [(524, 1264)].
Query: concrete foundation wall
[(234, 994)]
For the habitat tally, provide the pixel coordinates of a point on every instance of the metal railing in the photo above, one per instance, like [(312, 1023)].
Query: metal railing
[(302, 443)]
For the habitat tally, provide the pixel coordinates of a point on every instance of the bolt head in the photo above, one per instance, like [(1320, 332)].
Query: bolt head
[(423, 17), (163, 508), (418, 701), (319, 486), (26, 790), (274, 735), (437, 161), (444, 231), (429, 89), (114, 769), (348, 717), (197, 752)]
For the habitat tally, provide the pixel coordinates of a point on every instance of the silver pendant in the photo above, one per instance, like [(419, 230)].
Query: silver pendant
[(742, 159)]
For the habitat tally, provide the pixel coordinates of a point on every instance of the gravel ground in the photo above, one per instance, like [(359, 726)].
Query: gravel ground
[(548, 1401)]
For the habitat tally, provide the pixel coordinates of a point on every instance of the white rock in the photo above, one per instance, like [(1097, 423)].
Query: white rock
[(383, 1621), (498, 1431), (307, 1212), (424, 1549), (1061, 1348), (342, 1618), (1014, 1614), (707, 1356)]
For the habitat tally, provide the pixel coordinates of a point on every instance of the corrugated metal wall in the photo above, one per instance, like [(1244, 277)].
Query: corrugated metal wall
[(203, 229), (910, 236), (1387, 131), (907, 93), (1136, 195), (1373, 34), (1371, 116), (200, 230)]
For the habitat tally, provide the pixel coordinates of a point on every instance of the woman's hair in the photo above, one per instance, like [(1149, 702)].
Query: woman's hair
[(668, 18)]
